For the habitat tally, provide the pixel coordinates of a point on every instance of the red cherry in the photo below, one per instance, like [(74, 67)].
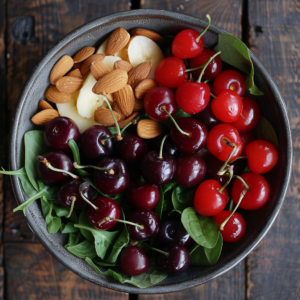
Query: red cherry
[(229, 80), (262, 156), (208, 201), (217, 145), (247, 138), (254, 198), (235, 227), (227, 106)]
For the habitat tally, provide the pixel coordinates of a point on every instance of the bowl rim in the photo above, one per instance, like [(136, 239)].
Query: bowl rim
[(175, 287)]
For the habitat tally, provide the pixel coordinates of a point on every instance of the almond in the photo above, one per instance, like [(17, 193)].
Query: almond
[(147, 33), (139, 73), (125, 100), (109, 97), (83, 54), (98, 69), (122, 64), (86, 65), (116, 108), (75, 73), (44, 116), (68, 84), (44, 105), (61, 68), (144, 86), (103, 116), (55, 96), (149, 129), (138, 105), (122, 124), (117, 41), (77, 65), (111, 82)]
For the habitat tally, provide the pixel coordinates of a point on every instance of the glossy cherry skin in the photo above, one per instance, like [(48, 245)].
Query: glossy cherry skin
[(158, 171), (169, 148), (216, 144), (208, 201), (192, 97), (177, 261), (207, 117), (159, 97), (247, 138), (91, 143), (71, 189), (171, 232), (212, 70), (111, 184), (59, 131), (134, 261), (227, 106), (142, 195), (190, 170), (192, 143), (131, 148), (107, 208), (185, 45), (148, 219), (258, 194), (58, 160), (249, 116), (235, 227), (170, 72), (262, 156)]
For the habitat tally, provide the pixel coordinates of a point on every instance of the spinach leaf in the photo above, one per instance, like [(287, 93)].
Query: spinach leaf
[(53, 223), (84, 221), (74, 239), (68, 228), (83, 249), (160, 204), (169, 186), (182, 198), (265, 131), (203, 230)]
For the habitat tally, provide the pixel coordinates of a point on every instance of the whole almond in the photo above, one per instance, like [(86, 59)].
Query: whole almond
[(149, 129), (122, 64), (111, 82), (55, 96), (143, 87), (138, 105), (103, 116), (44, 116), (68, 84), (117, 41), (122, 124), (139, 73), (44, 105), (83, 54), (125, 100), (86, 65), (147, 33), (109, 97), (116, 108), (62, 67), (99, 69), (75, 73)]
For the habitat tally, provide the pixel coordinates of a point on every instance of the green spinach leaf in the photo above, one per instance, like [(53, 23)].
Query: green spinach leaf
[(84, 221), (83, 249), (68, 228), (169, 186), (265, 131), (182, 198)]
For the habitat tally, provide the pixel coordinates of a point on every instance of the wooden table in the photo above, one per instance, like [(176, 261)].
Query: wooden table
[(29, 28)]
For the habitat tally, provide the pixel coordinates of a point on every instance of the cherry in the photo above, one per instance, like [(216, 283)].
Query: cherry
[(142, 195), (262, 156), (170, 72), (171, 232), (190, 170), (207, 117), (234, 228), (249, 116), (147, 219), (247, 138), (134, 261), (197, 135), (219, 142), (227, 106), (256, 196), (59, 131), (169, 148), (229, 79), (210, 199)]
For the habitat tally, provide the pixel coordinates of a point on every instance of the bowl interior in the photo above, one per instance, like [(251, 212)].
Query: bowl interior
[(272, 107)]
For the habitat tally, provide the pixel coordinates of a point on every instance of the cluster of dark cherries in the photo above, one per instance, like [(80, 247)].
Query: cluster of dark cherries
[(225, 126)]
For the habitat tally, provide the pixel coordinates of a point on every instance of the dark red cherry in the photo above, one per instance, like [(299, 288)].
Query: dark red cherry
[(207, 117), (134, 261), (169, 148)]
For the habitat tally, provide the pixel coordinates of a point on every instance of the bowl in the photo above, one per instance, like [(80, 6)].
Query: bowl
[(164, 22)]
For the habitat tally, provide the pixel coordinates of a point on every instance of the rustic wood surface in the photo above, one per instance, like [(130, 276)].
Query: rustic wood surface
[(29, 28)]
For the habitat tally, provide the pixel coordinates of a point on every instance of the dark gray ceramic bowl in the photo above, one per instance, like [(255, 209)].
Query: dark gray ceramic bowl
[(164, 22)]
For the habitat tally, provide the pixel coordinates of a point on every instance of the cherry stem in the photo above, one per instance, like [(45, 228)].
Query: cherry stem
[(222, 171), (202, 33), (49, 166), (161, 146), (121, 221), (247, 187), (212, 95), (106, 139), (133, 122), (231, 205), (160, 251), (228, 169), (194, 69), (73, 199), (84, 186), (207, 80), (207, 63), (237, 205), (110, 171), (174, 121), (190, 77), (240, 157)]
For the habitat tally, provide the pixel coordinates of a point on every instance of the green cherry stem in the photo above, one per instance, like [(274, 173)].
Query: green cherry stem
[(110, 171), (213, 96), (230, 174), (73, 199), (194, 69), (231, 205), (160, 251), (206, 64), (133, 122), (84, 186), (202, 33), (222, 171), (162, 146), (240, 157), (121, 221), (247, 187)]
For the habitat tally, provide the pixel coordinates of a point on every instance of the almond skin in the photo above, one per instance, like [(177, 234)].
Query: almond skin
[(149, 129), (69, 84), (122, 124), (103, 116), (117, 41), (62, 67), (44, 105), (98, 69), (86, 65), (83, 54), (138, 105), (75, 73), (125, 100), (143, 87), (55, 96), (147, 33), (122, 64), (44, 116), (111, 82), (116, 108), (139, 73)]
